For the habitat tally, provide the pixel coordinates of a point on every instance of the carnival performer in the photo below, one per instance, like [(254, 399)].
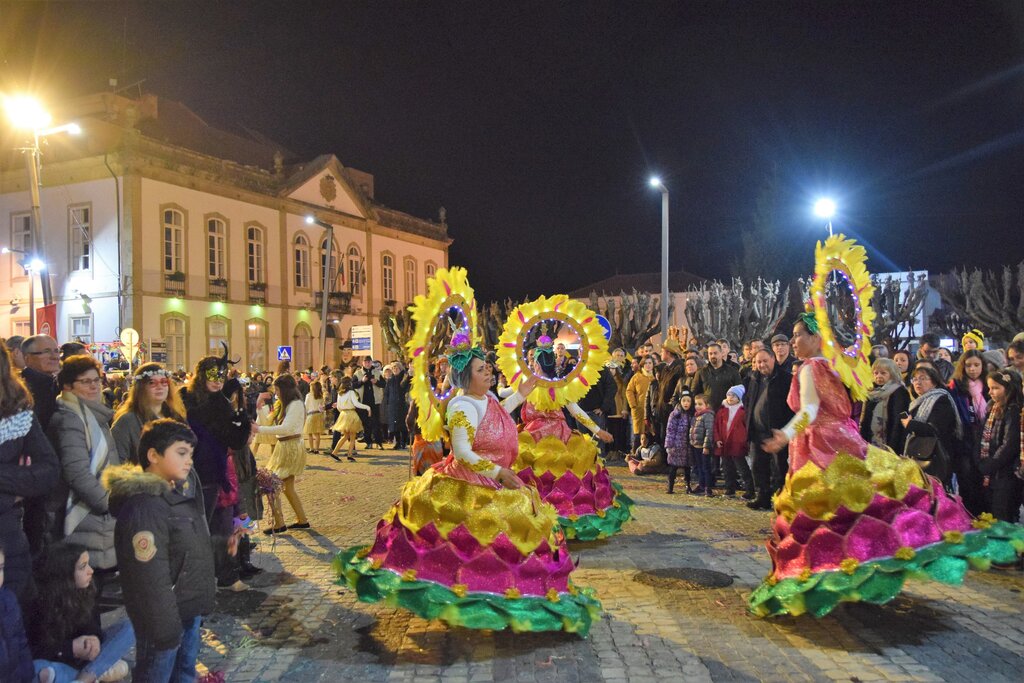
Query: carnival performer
[(289, 457), (468, 542), (854, 521), (564, 465)]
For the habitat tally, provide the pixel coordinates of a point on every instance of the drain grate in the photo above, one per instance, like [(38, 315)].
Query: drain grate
[(683, 579)]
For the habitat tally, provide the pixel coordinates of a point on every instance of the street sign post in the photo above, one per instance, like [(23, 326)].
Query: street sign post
[(284, 353), (362, 340)]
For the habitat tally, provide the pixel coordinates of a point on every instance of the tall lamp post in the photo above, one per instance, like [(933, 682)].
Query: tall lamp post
[(656, 183), (329, 239), (27, 114), (825, 208), (32, 265)]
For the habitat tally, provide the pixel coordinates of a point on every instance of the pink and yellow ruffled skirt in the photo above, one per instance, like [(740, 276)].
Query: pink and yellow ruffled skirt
[(856, 530), (472, 556), (571, 476)]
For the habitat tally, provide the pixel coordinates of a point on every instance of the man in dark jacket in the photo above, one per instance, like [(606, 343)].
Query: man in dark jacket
[(783, 353), (767, 410), (163, 552), (365, 380), (599, 403), (715, 378), (42, 363)]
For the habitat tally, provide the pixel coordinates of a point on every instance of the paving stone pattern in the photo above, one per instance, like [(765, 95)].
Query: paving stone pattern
[(662, 622)]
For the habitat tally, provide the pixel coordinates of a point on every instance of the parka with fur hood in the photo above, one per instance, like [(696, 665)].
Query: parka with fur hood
[(163, 552)]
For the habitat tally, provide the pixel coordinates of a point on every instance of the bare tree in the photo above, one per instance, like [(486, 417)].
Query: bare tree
[(397, 327), (992, 301), (634, 318), (736, 312), (897, 308)]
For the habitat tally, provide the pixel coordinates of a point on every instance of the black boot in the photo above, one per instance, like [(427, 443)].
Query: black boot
[(246, 569), (672, 471)]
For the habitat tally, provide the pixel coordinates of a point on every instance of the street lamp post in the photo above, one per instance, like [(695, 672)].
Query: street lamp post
[(825, 208), (27, 114), (656, 183), (329, 240)]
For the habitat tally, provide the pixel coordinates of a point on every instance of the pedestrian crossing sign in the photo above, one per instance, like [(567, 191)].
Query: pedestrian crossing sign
[(284, 353)]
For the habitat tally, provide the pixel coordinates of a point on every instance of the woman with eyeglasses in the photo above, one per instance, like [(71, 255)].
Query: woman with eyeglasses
[(80, 432), (933, 414)]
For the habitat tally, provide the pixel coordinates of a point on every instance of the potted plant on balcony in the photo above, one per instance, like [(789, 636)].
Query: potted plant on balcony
[(258, 286), (219, 282), (176, 276)]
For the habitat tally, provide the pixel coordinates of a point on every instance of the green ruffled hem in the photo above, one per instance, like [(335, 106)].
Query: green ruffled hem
[(880, 581), (570, 613), (592, 527)]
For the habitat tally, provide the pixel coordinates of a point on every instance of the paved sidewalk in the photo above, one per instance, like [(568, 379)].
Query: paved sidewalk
[(669, 614)]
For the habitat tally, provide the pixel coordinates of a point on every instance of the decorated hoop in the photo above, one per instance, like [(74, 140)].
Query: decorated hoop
[(448, 289), (844, 256), (513, 356)]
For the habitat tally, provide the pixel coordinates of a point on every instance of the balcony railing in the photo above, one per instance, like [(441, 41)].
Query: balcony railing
[(174, 284), (338, 303), (257, 293), (219, 290)]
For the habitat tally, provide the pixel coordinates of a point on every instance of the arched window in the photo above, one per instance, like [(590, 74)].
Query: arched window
[(355, 270), (387, 270), (254, 243), (174, 241), (429, 269), (175, 333), (410, 279), (218, 329), (216, 234), (301, 262), (302, 347), (256, 345), (332, 268)]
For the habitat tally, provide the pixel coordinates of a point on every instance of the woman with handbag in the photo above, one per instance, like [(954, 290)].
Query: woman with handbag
[(999, 456), (934, 428)]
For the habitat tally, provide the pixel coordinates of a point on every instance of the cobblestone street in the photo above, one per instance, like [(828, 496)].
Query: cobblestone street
[(673, 588)]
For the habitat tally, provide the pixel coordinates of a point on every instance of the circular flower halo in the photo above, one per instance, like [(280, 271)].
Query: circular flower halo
[(447, 289), (513, 356), (843, 255)]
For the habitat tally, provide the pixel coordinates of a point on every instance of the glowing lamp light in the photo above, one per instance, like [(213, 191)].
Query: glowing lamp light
[(655, 181), (36, 265), (5, 250), (26, 113), (825, 208), (74, 129), (310, 220)]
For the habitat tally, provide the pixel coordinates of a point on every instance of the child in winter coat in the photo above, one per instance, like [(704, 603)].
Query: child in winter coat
[(701, 439), (677, 441), (15, 657), (731, 442)]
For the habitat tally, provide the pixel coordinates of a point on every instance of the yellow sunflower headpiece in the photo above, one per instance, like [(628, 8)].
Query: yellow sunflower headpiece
[(515, 360), (448, 295), (844, 257)]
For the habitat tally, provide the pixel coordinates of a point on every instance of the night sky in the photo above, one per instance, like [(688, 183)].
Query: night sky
[(537, 124)]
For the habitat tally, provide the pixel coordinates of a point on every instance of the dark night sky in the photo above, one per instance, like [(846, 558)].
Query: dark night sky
[(537, 124)]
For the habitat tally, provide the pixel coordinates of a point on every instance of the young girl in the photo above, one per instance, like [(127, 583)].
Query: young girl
[(701, 439), (731, 443), (348, 423), (677, 440), (1000, 451), (314, 426), (65, 633), (288, 459)]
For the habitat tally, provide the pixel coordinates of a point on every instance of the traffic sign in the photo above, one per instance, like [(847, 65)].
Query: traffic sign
[(606, 325), (284, 353)]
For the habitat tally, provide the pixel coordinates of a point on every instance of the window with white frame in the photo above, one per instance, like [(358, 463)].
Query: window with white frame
[(174, 241), (256, 345), (355, 270), (217, 331), (81, 328), (216, 236), (80, 238), (410, 279), (22, 328), (302, 347), (332, 268), (301, 262), (387, 270), (174, 337), (21, 240), (254, 240)]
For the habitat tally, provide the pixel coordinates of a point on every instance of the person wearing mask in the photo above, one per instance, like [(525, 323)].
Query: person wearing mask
[(80, 433), (880, 419), (767, 410), (783, 353), (636, 397), (715, 378), (933, 414), (969, 388), (929, 350), (1000, 450)]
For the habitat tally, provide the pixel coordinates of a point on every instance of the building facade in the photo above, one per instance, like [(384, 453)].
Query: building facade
[(193, 236)]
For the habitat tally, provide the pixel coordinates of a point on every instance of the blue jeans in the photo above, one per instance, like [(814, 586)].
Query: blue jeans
[(117, 641), (602, 422), (177, 665), (705, 471)]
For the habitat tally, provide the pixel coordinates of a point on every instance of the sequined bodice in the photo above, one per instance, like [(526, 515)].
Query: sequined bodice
[(834, 402), (496, 438), (541, 423)]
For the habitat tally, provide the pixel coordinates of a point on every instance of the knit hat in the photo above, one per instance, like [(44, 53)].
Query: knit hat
[(685, 393), (994, 357), (977, 336), (737, 391)]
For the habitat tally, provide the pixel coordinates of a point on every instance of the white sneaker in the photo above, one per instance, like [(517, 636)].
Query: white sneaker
[(115, 673), (237, 587)]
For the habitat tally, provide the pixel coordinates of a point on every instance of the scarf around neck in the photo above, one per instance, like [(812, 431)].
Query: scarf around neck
[(926, 402), (96, 443)]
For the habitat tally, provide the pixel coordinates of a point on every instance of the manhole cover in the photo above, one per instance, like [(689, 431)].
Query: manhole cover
[(683, 579)]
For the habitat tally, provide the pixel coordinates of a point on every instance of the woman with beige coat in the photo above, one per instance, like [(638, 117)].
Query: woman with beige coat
[(636, 395)]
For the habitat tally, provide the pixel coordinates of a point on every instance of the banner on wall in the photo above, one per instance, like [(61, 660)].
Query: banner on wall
[(46, 320)]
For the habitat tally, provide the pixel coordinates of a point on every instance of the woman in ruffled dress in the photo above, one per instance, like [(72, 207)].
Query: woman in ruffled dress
[(468, 542), (289, 457)]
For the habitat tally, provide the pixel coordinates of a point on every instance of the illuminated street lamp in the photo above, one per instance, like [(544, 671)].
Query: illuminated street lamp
[(27, 114), (32, 265), (657, 184), (825, 208)]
